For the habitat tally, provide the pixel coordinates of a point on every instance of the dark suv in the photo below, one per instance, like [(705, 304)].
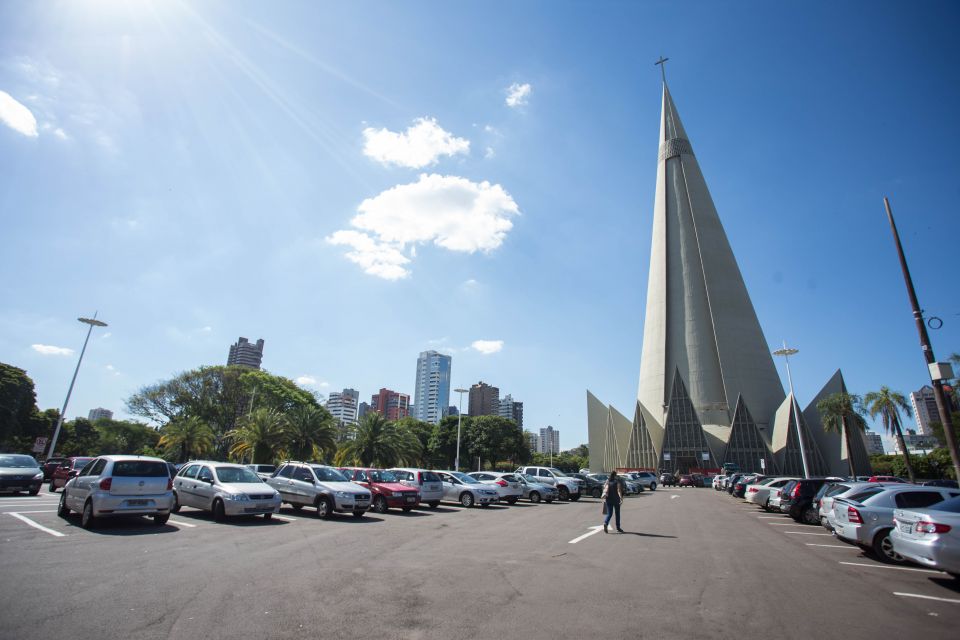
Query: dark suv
[(590, 486), (796, 499)]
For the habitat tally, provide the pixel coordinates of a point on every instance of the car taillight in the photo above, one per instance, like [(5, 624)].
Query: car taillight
[(854, 516), (501, 482), (169, 484), (105, 484), (796, 491), (419, 478), (931, 527), (752, 490)]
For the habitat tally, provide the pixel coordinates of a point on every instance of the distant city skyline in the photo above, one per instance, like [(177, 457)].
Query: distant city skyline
[(432, 386), (246, 354)]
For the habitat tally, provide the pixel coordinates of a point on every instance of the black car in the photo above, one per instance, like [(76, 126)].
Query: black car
[(740, 488), (796, 499), (668, 480), (734, 479), (950, 484), (588, 486)]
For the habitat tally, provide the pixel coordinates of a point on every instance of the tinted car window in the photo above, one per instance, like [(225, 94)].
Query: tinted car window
[(235, 474), (286, 471), (18, 461), (917, 499), (543, 473), (952, 505), (837, 489), (86, 467), (429, 476), (205, 474), (140, 469), (191, 471), (326, 474), (303, 475), (860, 496), (97, 467)]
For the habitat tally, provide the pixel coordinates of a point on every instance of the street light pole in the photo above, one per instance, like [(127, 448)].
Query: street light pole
[(456, 463), (786, 353), (93, 322)]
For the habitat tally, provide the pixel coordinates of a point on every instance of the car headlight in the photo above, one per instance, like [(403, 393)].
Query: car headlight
[(39, 476), (344, 494), (236, 496)]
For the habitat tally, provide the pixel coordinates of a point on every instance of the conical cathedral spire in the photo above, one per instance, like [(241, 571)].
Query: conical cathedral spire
[(700, 322)]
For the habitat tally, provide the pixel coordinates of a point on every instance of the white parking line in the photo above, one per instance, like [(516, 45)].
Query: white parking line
[(37, 525), (11, 499), (596, 529), (285, 518), (782, 524), (917, 595), (674, 497), (182, 523), (807, 533), (833, 546), (31, 504), (772, 517), (883, 566), (38, 511)]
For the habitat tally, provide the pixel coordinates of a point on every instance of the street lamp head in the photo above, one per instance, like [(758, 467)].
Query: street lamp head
[(93, 322), (461, 390), (786, 352)]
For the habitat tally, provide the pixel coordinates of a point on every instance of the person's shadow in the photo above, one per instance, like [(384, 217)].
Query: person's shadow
[(644, 535)]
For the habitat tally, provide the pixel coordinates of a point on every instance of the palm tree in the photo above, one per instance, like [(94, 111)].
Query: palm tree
[(259, 434), (887, 404), (379, 443), (311, 433), (840, 413), (187, 438)]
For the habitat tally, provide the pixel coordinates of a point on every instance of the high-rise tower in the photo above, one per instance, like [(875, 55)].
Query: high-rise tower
[(432, 390)]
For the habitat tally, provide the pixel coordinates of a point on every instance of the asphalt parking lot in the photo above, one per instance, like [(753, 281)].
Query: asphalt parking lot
[(694, 563)]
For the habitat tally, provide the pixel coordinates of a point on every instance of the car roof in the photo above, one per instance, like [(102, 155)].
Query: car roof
[(125, 457)]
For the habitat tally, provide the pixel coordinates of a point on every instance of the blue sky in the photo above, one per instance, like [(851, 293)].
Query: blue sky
[(355, 183)]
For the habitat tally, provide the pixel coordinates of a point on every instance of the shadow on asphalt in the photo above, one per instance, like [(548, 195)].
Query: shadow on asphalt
[(124, 526), (236, 521), (644, 535), (952, 584)]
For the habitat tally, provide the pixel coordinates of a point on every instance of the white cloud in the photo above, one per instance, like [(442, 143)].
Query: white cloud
[(422, 144), (50, 350), (106, 335), (206, 329), (112, 370), (449, 211), (487, 347), (16, 116), (310, 381), (518, 95), (489, 152)]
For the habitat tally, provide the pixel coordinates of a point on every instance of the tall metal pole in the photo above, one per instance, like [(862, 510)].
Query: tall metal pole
[(786, 352), (945, 418), (93, 322), (456, 462)]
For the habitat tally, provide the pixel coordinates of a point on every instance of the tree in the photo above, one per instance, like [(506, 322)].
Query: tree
[(840, 413), (423, 432), (122, 436), (260, 435), (20, 420), (186, 439), (77, 437), (492, 438), (443, 441), (888, 404), (311, 433), (379, 443)]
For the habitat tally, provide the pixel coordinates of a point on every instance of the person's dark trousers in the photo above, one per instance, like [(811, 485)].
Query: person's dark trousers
[(611, 507)]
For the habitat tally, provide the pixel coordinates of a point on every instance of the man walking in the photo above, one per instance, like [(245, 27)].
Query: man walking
[(612, 497)]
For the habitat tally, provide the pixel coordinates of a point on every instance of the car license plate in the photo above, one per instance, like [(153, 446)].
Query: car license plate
[(411, 499), (265, 505), (136, 503), (906, 527)]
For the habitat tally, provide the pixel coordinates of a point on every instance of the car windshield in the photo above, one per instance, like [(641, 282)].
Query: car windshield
[(78, 463), (952, 505), (383, 476), (18, 461), (326, 474), (236, 474), (140, 469), (265, 468), (464, 478), (557, 472), (526, 478), (601, 477)]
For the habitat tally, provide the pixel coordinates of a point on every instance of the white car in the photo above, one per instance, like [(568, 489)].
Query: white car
[(459, 487), (119, 485), (224, 489), (506, 484), (428, 482), (759, 493), (567, 488)]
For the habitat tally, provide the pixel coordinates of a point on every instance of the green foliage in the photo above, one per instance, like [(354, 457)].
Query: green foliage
[(311, 433), (185, 439), (380, 443), (888, 404), (78, 438), (566, 461), (259, 437), (443, 442), (121, 436), (841, 413), (933, 466), (20, 420), (423, 432)]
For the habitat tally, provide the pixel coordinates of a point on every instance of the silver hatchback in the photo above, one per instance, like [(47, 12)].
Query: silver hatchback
[(506, 485), (224, 489), (117, 486)]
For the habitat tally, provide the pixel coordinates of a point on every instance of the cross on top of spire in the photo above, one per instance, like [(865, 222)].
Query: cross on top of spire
[(663, 68)]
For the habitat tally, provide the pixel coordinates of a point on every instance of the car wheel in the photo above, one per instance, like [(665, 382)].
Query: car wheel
[(548, 500), (564, 492), (34, 492), (653, 486), (595, 492), (883, 548), (534, 496), (268, 516), (52, 488), (575, 497), (466, 499), (512, 500), (380, 504), (87, 520), (176, 503), (810, 515), (219, 512), (795, 514), (62, 510), (324, 508), (358, 514), (434, 504), (160, 519), (407, 509), (296, 506)]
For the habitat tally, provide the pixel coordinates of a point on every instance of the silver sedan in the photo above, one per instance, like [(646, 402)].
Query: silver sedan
[(929, 537), (535, 491)]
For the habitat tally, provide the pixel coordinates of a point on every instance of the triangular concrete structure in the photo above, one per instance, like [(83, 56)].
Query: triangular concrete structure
[(832, 444), (596, 431), (684, 441), (746, 447), (786, 445)]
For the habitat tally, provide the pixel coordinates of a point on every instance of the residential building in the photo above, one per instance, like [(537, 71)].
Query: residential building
[(917, 442), (484, 400), (548, 440), (453, 411), (432, 390), (362, 410), (511, 409), (246, 354), (925, 411), (391, 404), (874, 443), (343, 405), (99, 414), (534, 442)]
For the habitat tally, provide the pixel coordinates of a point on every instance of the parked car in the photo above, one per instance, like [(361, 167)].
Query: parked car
[(646, 479), (868, 521), (730, 484), (20, 473), (718, 481), (630, 488), (427, 482), (69, 468), (224, 489), (829, 492), (535, 491), (567, 488), (951, 484), (758, 493), (740, 488), (324, 488), (119, 485), (386, 488), (686, 480), (50, 465), (469, 492), (590, 486), (265, 471), (669, 480), (886, 479), (796, 499), (929, 537), (506, 484)]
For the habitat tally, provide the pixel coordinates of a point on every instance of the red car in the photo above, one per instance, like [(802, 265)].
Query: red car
[(687, 481), (886, 479), (385, 487), (62, 474)]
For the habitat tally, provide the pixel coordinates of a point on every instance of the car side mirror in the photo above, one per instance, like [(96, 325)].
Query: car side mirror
[(73, 474)]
